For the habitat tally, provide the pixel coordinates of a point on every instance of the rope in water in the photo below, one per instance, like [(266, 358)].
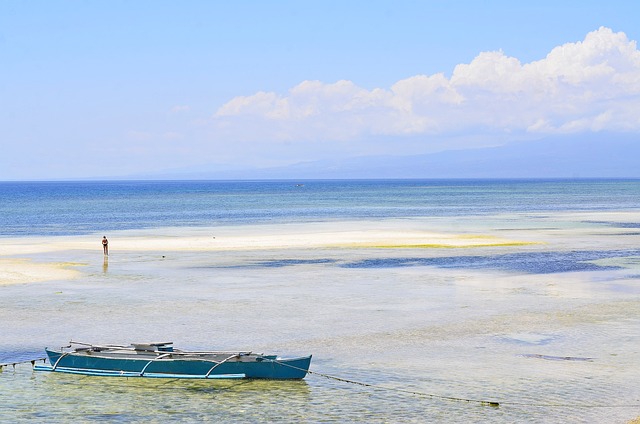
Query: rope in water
[(395, 389), (412, 392), (33, 362), (459, 399)]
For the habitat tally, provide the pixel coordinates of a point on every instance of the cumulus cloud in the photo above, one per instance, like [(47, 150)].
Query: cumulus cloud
[(591, 85)]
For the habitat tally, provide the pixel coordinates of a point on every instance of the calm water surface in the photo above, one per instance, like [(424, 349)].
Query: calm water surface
[(551, 331), (60, 208)]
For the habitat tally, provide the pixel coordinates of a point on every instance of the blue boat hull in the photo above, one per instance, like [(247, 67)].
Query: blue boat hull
[(264, 366)]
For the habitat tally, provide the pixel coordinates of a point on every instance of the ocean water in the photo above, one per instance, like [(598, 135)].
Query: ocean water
[(66, 208), (550, 330)]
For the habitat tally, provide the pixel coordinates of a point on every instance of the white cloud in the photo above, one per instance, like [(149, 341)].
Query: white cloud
[(592, 85)]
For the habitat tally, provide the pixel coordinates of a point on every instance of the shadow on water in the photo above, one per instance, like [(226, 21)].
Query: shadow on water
[(63, 396), (279, 263), (615, 224), (14, 356), (141, 386), (528, 262)]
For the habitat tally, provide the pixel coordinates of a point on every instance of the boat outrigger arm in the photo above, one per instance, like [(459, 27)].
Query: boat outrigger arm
[(164, 355), (218, 364), (54, 366)]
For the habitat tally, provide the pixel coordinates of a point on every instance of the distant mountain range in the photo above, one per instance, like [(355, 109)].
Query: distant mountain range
[(596, 155)]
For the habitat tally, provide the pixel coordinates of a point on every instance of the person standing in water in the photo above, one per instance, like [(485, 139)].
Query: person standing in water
[(105, 245)]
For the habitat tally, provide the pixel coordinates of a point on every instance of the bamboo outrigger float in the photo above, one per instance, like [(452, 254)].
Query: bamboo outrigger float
[(161, 360)]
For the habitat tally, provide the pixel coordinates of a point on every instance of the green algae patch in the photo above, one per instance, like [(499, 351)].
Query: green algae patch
[(460, 241), (426, 240), (70, 264), (451, 246), (23, 270)]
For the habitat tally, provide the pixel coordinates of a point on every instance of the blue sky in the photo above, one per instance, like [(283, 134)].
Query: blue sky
[(117, 88)]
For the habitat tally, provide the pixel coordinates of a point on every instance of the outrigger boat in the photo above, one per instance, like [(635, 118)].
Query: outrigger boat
[(161, 360)]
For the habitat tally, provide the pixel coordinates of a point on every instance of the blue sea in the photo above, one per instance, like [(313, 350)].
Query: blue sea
[(542, 317), (71, 208)]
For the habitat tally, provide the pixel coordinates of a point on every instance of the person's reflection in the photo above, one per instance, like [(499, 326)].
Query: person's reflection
[(105, 264)]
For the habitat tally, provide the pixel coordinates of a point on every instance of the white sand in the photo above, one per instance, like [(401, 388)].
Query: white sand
[(19, 271), (307, 235), (19, 266)]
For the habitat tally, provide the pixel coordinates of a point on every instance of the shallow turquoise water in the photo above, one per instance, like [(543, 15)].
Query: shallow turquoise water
[(478, 324)]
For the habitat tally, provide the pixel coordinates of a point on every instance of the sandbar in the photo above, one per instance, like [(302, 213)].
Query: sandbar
[(26, 259), (282, 236)]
